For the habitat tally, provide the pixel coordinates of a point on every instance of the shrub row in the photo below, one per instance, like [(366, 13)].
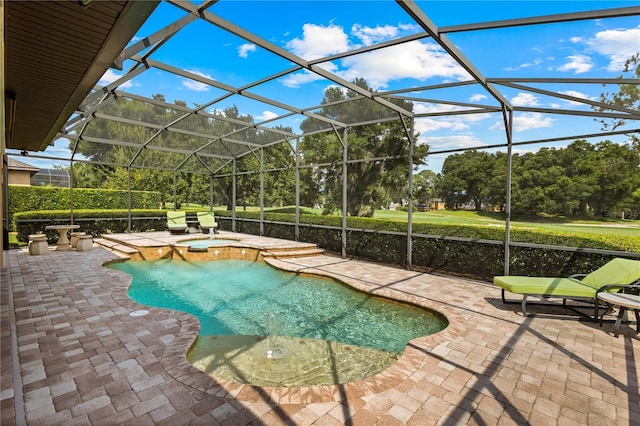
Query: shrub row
[(480, 258), (35, 198), (474, 259), (92, 222)]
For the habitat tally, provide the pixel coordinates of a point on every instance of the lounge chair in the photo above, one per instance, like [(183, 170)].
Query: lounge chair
[(617, 274), (177, 222), (207, 222)]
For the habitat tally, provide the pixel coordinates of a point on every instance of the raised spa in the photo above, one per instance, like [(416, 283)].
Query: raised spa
[(205, 242), (267, 327)]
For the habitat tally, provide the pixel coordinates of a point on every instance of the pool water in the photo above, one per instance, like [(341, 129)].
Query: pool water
[(234, 298), (204, 243)]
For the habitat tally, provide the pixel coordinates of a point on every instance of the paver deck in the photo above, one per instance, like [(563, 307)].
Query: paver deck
[(72, 354)]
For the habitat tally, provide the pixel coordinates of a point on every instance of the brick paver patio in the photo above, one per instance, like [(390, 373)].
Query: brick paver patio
[(82, 359)]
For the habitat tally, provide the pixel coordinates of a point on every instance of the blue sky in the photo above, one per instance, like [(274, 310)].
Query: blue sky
[(310, 29)]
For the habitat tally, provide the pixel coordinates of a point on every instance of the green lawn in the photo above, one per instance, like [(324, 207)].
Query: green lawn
[(628, 228), (609, 226)]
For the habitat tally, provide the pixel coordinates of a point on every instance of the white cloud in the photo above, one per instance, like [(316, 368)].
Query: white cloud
[(451, 142), (577, 63), (576, 94), (243, 50), (426, 125), (300, 78), (196, 85), (110, 76), (617, 45), (266, 115), (217, 111), (419, 60), (477, 97), (410, 28), (319, 41), (369, 35), (576, 39), (452, 122), (535, 62), (525, 99), (424, 108), (414, 59), (526, 121)]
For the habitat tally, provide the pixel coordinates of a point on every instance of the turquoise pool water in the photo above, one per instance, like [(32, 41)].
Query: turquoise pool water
[(235, 297), (204, 243)]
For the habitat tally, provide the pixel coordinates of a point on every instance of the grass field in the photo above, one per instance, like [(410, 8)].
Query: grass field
[(608, 226), (592, 227)]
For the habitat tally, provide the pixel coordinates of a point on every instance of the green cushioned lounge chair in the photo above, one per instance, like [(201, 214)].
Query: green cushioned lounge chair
[(616, 275), (177, 222), (207, 222)]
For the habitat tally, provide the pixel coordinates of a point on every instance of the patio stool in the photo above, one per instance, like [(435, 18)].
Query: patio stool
[(74, 238), (38, 244), (85, 242)]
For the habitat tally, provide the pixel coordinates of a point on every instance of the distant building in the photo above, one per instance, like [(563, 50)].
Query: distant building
[(19, 173), (437, 204), (23, 174)]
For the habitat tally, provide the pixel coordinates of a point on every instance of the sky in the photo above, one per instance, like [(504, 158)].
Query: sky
[(313, 30)]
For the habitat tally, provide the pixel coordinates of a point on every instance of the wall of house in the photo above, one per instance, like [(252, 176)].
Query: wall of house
[(2, 140), (19, 177)]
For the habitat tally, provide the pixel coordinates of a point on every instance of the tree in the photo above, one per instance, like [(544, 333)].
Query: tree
[(628, 95), (424, 186), (153, 169), (279, 184), (112, 160), (581, 179), (618, 176), (377, 168), (497, 185), (465, 178)]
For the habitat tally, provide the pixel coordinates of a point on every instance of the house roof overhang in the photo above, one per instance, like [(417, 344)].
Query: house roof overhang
[(55, 53)]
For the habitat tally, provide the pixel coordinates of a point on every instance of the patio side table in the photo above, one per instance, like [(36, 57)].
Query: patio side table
[(624, 302)]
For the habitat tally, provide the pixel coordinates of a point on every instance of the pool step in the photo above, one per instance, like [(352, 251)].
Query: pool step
[(293, 252), (120, 249)]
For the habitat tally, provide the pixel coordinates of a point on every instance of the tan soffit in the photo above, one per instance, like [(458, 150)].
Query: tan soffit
[(56, 51)]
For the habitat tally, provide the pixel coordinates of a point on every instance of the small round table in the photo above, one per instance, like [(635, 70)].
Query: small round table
[(623, 301), (63, 241)]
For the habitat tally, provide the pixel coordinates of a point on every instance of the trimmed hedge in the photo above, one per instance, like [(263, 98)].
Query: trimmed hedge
[(474, 259), (37, 198), (482, 258), (92, 222)]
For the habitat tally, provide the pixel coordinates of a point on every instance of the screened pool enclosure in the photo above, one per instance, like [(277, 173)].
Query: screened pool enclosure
[(339, 105)]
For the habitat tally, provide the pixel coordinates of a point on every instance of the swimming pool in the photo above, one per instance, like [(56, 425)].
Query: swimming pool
[(319, 318)]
